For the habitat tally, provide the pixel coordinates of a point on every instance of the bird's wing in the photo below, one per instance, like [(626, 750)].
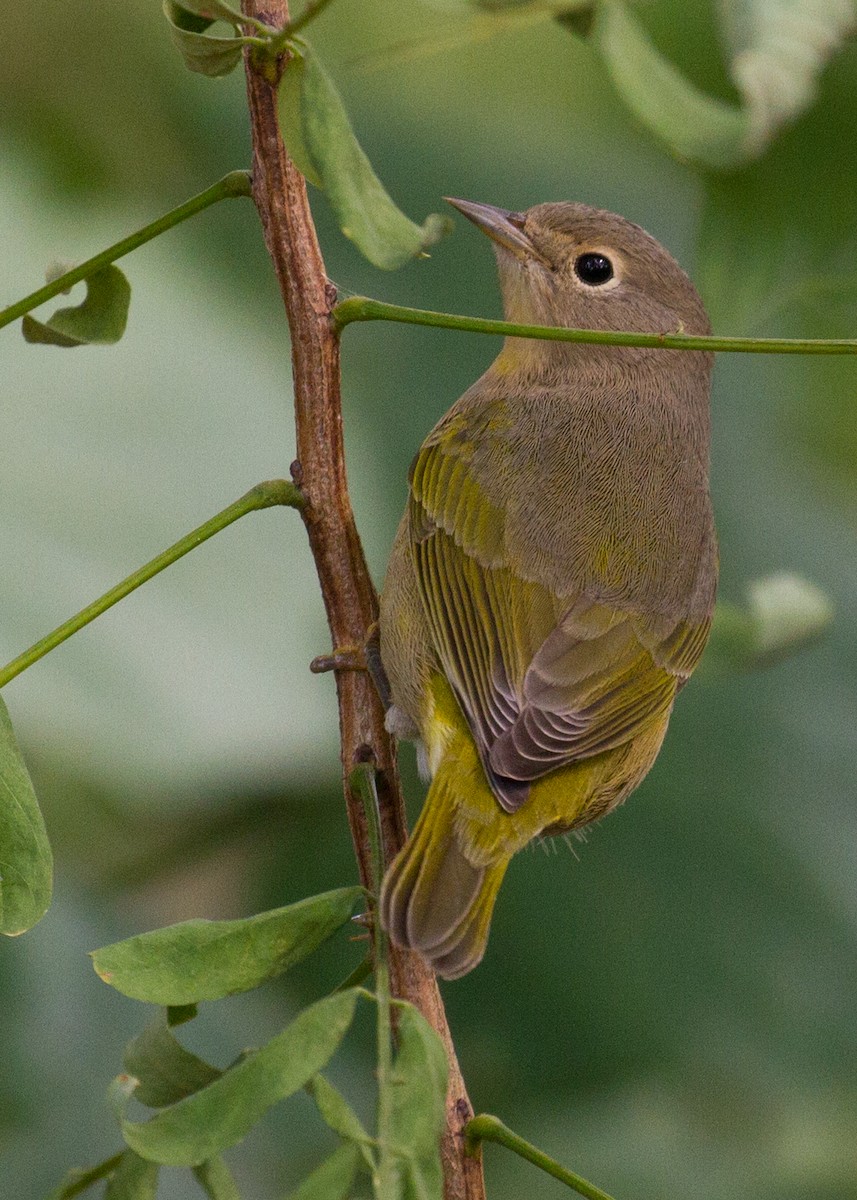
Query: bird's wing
[(542, 682)]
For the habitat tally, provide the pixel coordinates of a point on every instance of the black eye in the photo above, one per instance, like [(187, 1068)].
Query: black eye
[(593, 268)]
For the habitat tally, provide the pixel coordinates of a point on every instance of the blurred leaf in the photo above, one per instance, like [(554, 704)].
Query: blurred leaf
[(777, 50), (784, 614), (338, 1114), (319, 136), (78, 1179), (206, 960), (166, 1071), (99, 320), (209, 10), (202, 52), (333, 1179), (216, 1180), (133, 1179), (26, 863), (694, 125), (418, 1102), (220, 1115), (788, 613), (180, 1014)]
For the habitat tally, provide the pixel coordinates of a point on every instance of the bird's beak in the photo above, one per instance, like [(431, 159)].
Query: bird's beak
[(501, 225)]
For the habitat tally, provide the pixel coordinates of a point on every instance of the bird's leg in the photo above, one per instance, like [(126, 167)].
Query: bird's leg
[(365, 656)]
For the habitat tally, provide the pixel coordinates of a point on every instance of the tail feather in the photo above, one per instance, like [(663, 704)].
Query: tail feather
[(435, 899)]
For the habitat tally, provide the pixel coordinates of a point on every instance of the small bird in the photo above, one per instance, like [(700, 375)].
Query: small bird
[(552, 582)]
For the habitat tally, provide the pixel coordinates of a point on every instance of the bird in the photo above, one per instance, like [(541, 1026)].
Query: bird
[(552, 582)]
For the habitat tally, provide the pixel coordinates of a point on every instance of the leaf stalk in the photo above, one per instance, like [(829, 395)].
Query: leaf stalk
[(362, 308), (263, 495), (236, 183)]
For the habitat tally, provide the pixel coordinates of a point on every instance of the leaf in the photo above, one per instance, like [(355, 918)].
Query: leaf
[(694, 125), (209, 10), (418, 1102), (216, 1180), (211, 1120), (26, 863), (133, 1179), (99, 320), (788, 613), (202, 52), (783, 615), (166, 1071), (777, 51), (319, 136), (206, 960), (338, 1114), (333, 1179)]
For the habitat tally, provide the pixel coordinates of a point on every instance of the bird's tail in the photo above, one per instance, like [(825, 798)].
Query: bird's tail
[(435, 898)]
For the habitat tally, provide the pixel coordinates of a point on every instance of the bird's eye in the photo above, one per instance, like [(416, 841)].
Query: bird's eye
[(593, 269)]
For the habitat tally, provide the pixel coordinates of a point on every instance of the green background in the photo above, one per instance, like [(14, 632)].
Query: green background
[(669, 1009)]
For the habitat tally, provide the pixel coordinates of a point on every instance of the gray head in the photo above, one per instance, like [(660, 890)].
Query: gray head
[(569, 264)]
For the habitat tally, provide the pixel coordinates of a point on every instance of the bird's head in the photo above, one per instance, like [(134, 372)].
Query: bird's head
[(568, 264)]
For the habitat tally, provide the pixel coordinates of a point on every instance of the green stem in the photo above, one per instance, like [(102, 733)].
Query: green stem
[(236, 183), (361, 308), (384, 1178), (87, 1176), (263, 495), (280, 41), (486, 1128)]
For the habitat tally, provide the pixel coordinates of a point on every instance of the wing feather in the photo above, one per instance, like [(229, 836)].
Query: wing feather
[(542, 682)]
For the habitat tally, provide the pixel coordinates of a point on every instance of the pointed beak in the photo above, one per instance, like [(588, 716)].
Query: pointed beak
[(501, 225)]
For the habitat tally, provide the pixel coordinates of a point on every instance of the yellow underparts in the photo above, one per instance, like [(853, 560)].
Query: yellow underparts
[(438, 895)]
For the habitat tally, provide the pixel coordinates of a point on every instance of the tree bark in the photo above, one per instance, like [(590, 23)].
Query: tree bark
[(350, 599)]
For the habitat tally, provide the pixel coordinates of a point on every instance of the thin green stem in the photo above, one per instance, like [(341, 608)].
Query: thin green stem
[(236, 183), (87, 1176), (280, 41), (361, 308), (385, 1174), (263, 495), (486, 1128)]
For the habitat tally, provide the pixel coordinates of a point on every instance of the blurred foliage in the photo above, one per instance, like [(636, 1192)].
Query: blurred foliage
[(669, 1009)]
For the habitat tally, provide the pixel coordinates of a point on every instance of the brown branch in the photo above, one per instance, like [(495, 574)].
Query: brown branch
[(280, 195)]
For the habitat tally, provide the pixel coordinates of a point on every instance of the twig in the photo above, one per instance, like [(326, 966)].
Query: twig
[(361, 308), (236, 183), (263, 495), (486, 1128), (349, 596)]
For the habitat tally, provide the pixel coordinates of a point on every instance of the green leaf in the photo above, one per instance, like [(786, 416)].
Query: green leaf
[(211, 1120), (166, 1070), (788, 613), (338, 1114), (333, 1179), (784, 614), (26, 864), (206, 960), (320, 138), (133, 1179), (694, 125), (99, 320), (418, 1102), (202, 52), (216, 1180), (209, 10), (777, 51)]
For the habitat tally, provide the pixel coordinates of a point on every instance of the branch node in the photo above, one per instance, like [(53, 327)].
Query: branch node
[(343, 658)]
